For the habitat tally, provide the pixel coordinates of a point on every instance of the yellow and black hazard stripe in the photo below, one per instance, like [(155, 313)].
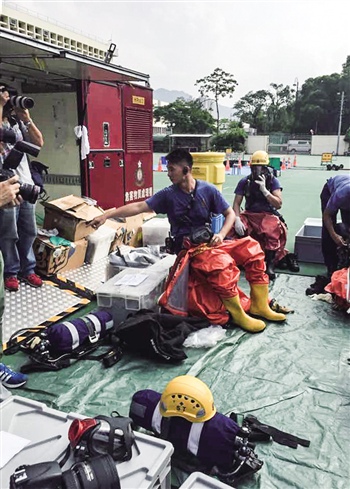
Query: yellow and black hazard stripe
[(22, 336), (68, 285)]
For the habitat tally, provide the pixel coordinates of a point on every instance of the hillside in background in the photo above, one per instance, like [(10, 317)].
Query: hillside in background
[(171, 95)]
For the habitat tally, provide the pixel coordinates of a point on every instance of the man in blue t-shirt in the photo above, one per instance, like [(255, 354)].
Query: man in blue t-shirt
[(189, 203), (260, 219), (335, 197)]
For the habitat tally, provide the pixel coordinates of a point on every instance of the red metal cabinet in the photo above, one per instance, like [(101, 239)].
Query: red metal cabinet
[(137, 124), (106, 177), (119, 168)]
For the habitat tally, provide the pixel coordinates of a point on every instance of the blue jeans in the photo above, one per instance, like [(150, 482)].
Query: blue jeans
[(17, 235)]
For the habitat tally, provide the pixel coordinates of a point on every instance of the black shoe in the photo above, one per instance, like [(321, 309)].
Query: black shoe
[(318, 286), (282, 264), (292, 262)]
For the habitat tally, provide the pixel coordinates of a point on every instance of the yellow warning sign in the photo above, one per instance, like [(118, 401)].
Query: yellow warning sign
[(138, 100), (326, 157)]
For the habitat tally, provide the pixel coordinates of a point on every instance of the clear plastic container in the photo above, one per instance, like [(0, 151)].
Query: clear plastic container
[(155, 231), (99, 244), (131, 290)]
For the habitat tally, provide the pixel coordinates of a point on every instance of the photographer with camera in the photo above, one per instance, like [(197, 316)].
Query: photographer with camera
[(214, 274), (261, 219), (8, 197), (18, 224)]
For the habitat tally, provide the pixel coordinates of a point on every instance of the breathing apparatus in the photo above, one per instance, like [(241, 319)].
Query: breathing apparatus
[(203, 439), (259, 165), (102, 435)]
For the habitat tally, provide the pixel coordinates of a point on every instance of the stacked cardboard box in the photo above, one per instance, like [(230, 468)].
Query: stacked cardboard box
[(70, 215)]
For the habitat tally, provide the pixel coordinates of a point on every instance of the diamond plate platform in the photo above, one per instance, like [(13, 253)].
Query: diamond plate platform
[(31, 306), (90, 276)]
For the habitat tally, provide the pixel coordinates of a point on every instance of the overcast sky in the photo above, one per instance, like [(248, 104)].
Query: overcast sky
[(176, 43)]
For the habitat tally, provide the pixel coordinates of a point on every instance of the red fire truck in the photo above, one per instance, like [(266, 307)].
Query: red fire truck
[(71, 90)]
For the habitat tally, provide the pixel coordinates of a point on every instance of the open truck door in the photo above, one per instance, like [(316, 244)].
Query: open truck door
[(119, 168), (71, 89)]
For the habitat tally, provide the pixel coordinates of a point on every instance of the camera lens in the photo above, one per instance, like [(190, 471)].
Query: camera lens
[(94, 473), (22, 102), (29, 192)]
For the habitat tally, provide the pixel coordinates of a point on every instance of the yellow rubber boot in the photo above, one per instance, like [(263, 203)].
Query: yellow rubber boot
[(259, 295), (240, 318)]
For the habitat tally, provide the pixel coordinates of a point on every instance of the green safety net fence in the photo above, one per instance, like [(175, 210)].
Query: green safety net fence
[(293, 376)]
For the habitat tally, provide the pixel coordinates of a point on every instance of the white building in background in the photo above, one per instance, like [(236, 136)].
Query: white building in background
[(18, 19), (159, 127)]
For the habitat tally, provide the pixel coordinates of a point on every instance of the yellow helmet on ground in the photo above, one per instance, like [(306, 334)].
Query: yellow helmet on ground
[(187, 397), (260, 158)]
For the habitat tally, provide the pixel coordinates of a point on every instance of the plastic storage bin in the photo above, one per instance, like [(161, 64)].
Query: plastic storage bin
[(162, 265), (307, 244), (198, 480), (154, 231), (99, 244), (149, 467), (129, 291)]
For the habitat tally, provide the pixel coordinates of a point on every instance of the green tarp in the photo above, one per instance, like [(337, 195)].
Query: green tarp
[(294, 376)]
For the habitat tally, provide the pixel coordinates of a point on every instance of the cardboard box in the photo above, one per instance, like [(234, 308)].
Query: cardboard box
[(69, 215), (51, 259), (120, 230), (133, 234)]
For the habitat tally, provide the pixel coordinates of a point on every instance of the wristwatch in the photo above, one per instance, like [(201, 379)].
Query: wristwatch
[(28, 123)]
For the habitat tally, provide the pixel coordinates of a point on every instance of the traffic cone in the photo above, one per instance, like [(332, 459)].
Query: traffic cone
[(295, 162), (283, 164), (160, 166), (227, 167), (289, 164)]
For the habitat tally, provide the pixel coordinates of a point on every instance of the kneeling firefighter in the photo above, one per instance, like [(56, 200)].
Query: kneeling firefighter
[(203, 439)]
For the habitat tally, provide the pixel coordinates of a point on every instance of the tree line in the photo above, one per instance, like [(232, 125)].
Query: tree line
[(313, 107)]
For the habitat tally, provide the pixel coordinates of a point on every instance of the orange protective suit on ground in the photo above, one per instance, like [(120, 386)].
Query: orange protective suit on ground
[(211, 273)]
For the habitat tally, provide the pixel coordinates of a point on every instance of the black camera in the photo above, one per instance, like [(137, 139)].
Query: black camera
[(201, 234), (16, 100), (28, 192), (15, 156), (95, 473), (7, 136)]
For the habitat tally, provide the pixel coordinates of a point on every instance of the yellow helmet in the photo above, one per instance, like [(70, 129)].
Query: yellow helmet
[(187, 397), (260, 158)]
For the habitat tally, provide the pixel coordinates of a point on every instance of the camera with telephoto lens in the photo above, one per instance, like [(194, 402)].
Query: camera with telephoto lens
[(94, 473), (28, 192), (16, 100)]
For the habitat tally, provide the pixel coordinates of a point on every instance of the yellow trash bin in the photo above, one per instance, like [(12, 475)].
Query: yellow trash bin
[(209, 167)]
